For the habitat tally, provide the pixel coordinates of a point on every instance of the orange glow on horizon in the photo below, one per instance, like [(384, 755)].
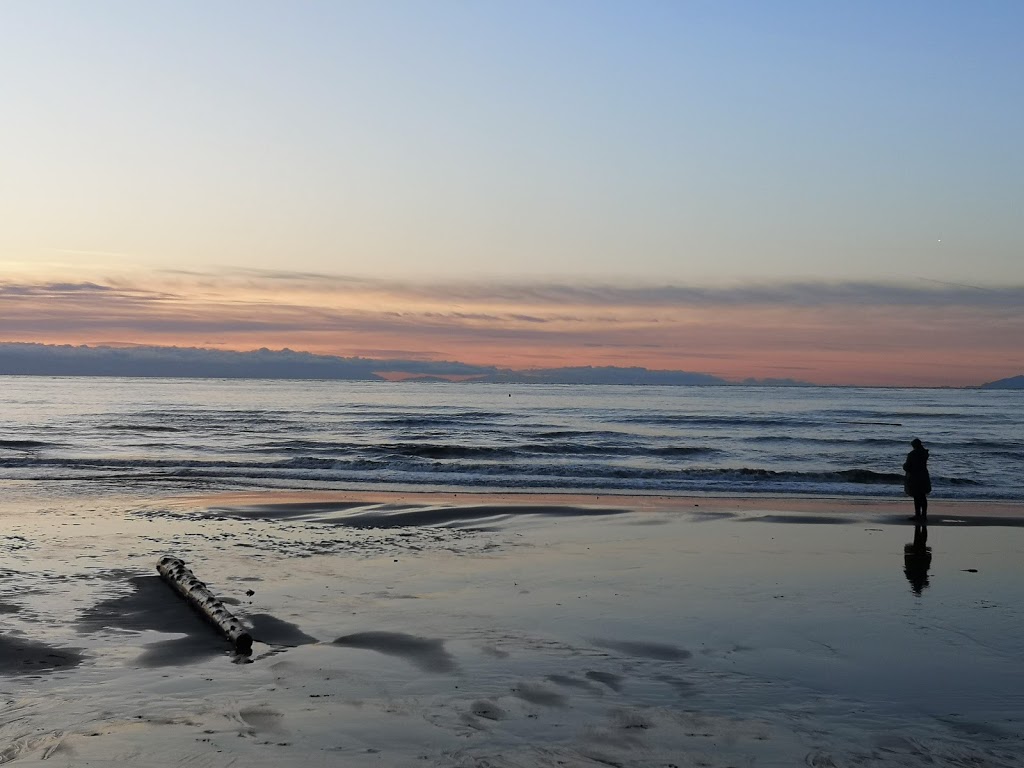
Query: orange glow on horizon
[(883, 345)]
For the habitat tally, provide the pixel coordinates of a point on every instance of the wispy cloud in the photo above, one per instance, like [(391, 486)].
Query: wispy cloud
[(857, 332), (920, 292)]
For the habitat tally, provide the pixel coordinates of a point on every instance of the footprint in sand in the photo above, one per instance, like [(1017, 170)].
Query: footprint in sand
[(261, 719), (487, 709)]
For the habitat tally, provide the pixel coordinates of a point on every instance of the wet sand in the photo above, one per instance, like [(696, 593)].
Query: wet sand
[(515, 630)]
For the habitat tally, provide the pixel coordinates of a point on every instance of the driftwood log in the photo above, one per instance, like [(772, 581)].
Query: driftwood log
[(198, 595)]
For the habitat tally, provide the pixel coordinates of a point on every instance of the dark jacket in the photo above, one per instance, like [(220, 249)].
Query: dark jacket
[(917, 481)]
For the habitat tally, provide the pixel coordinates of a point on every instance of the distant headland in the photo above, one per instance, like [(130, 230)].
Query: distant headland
[(1013, 382), (34, 359)]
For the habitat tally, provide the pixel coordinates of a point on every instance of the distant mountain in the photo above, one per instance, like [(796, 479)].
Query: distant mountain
[(1014, 382), (29, 359), (193, 362)]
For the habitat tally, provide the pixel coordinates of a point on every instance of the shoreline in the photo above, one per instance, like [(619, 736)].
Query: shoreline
[(942, 511)]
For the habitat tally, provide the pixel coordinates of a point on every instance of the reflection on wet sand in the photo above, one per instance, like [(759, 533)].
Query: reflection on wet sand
[(533, 639), (917, 559)]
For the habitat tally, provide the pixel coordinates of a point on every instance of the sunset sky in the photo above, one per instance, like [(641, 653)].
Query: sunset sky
[(831, 192)]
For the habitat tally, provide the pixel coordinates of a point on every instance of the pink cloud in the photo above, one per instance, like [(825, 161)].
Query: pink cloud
[(854, 333)]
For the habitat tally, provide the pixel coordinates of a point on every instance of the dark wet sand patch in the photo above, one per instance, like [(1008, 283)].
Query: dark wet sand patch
[(21, 656), (609, 679), (455, 516), (356, 514), (538, 694), (697, 507), (659, 651), (805, 519), (150, 605), (972, 520), (273, 631), (682, 687), (701, 514), (648, 521), (281, 511), (153, 606), (181, 651), (426, 653)]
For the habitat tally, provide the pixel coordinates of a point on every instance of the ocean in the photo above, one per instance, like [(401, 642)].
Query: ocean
[(443, 632), (69, 437)]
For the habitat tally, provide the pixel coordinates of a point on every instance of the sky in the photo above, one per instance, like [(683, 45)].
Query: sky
[(832, 192)]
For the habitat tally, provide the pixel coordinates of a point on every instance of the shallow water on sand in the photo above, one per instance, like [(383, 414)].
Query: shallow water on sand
[(506, 635)]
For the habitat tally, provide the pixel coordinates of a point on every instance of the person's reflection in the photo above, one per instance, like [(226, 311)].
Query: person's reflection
[(917, 558)]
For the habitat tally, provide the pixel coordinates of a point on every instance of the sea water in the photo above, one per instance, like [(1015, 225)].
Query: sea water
[(148, 436)]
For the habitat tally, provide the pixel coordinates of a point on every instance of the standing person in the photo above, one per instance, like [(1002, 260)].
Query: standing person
[(918, 483)]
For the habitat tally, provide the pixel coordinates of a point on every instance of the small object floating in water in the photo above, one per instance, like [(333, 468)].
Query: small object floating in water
[(197, 594), (969, 570)]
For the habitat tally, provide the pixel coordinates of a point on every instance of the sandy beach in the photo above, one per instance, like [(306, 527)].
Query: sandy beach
[(514, 630)]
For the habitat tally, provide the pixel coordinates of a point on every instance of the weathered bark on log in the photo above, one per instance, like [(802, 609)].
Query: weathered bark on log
[(185, 583)]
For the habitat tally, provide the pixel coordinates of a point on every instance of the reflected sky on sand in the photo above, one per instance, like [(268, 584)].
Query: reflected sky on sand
[(565, 634)]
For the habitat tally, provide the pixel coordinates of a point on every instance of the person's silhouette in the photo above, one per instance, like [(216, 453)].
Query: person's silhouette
[(917, 559), (917, 482)]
